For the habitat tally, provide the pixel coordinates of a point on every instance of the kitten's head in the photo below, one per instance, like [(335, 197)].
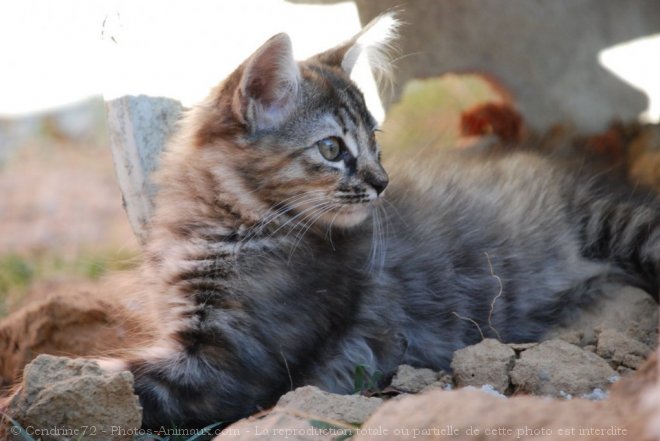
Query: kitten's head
[(297, 136)]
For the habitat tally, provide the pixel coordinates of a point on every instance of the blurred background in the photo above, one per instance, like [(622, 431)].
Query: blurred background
[(62, 226)]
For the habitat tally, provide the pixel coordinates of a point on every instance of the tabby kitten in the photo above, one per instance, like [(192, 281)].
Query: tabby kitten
[(276, 259)]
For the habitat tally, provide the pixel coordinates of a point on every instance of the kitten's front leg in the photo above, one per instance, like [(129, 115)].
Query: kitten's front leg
[(199, 384), (112, 365)]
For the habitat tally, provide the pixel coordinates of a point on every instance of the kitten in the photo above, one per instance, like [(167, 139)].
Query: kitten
[(277, 259)]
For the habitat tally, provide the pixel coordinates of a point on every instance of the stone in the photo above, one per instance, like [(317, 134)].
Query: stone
[(75, 395), (471, 414), (576, 338), (352, 409), (625, 309), (412, 380), (520, 347), (306, 413), (619, 349), (139, 128), (487, 362), (622, 370), (445, 382), (632, 411), (278, 425), (558, 368)]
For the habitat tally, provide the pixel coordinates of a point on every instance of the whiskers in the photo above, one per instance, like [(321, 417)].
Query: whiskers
[(297, 213), (313, 215), (379, 234), (286, 225)]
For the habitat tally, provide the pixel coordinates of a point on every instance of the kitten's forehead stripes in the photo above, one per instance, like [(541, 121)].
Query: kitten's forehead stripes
[(342, 114), (349, 110), (351, 101)]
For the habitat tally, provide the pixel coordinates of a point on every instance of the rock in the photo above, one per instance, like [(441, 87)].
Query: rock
[(620, 349), (520, 347), (577, 338), (622, 370), (73, 395), (632, 361), (596, 394), (352, 409), (628, 310), (469, 415), (306, 413), (632, 411), (279, 425), (642, 387), (488, 389), (445, 382), (412, 380), (138, 129), (555, 367), (487, 362)]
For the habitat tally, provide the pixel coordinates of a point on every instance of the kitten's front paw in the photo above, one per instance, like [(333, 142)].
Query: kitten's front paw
[(112, 365)]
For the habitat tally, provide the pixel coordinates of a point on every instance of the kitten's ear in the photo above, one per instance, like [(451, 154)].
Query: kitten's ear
[(373, 42), (268, 89)]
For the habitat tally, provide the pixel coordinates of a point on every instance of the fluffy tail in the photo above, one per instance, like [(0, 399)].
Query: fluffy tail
[(624, 229)]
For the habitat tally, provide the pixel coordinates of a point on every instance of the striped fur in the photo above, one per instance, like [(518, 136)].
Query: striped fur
[(272, 267)]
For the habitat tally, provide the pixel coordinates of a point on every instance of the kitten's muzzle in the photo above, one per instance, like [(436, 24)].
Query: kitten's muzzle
[(377, 179)]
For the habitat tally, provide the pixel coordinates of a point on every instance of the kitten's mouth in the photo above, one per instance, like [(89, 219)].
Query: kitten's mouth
[(353, 209), (347, 215), (342, 212)]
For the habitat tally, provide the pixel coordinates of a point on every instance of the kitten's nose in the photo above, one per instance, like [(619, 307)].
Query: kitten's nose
[(377, 180)]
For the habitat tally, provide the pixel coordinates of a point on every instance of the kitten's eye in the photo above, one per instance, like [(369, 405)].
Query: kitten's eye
[(330, 148)]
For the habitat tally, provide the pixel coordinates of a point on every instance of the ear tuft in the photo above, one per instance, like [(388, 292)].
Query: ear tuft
[(374, 43), (268, 89)]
